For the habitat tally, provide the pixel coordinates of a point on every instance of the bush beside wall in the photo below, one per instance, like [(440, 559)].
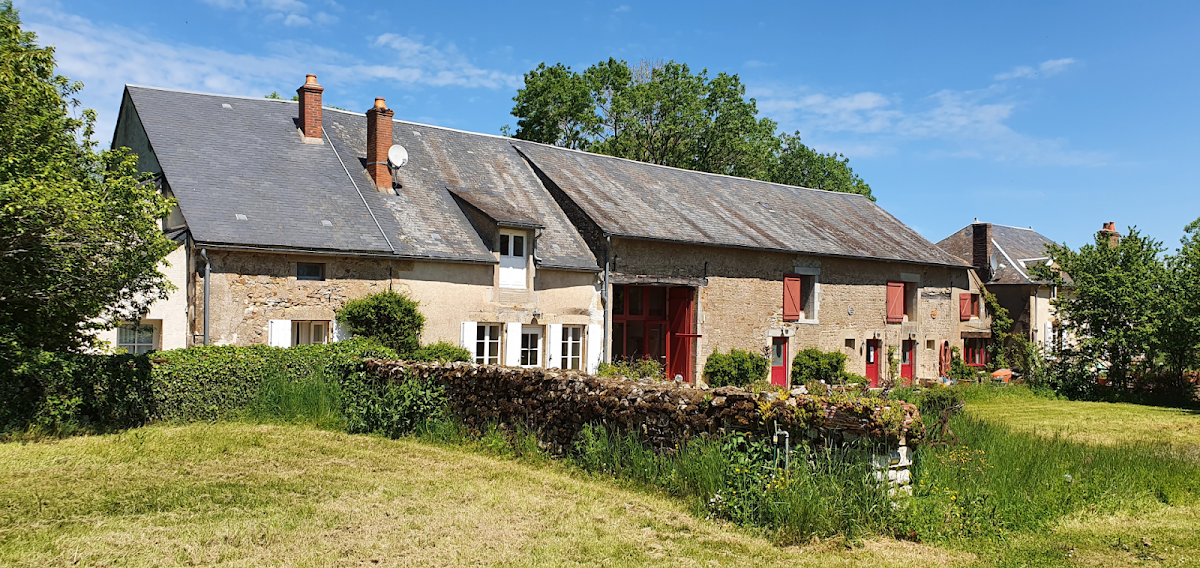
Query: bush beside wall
[(737, 368)]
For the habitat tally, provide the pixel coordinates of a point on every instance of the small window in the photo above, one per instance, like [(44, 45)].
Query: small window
[(310, 271), (310, 332), (487, 344), (849, 343), (572, 347), (929, 344), (136, 339), (799, 297)]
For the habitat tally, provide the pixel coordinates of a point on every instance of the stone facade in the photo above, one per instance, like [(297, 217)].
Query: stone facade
[(740, 303)]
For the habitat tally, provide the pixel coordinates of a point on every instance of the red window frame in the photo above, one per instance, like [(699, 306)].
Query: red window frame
[(975, 351)]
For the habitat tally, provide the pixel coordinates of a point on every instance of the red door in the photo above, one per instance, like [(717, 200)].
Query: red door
[(908, 360), (680, 310), (779, 360), (873, 362)]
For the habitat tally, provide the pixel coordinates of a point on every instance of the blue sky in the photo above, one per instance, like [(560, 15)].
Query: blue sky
[(1057, 117)]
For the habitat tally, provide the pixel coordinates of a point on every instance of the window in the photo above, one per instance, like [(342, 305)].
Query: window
[(639, 323), (136, 338), (975, 351), (929, 344), (513, 259), (849, 343), (310, 332), (531, 346), (310, 271), (968, 306), (572, 347), (487, 344)]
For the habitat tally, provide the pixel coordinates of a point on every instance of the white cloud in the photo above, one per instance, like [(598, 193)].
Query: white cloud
[(227, 4), (296, 20), (957, 124), (1046, 69), (622, 8), (106, 57)]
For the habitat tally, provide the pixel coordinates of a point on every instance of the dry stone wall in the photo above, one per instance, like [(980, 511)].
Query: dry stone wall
[(559, 403)]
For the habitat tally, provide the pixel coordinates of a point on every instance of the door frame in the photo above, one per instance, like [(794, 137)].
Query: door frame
[(782, 374), (908, 370)]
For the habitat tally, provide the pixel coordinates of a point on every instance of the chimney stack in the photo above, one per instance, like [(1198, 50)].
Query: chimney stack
[(310, 107), (981, 249), (1110, 230), (379, 140)]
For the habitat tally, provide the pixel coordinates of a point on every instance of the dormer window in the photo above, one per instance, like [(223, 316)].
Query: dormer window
[(514, 255)]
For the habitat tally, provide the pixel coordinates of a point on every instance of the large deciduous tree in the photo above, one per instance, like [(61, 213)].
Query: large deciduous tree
[(662, 113), (80, 241)]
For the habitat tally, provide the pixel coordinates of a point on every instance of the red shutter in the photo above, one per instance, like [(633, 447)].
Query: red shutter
[(895, 302), (791, 298), (964, 307)]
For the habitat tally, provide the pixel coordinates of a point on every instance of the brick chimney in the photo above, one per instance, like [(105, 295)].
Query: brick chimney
[(310, 107), (1110, 230), (379, 140), (981, 249)]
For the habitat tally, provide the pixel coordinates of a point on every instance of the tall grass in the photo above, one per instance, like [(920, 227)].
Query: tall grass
[(827, 491), (996, 481), (315, 400)]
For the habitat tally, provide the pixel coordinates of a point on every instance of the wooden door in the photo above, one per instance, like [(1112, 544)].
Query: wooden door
[(779, 361), (908, 360), (873, 362), (682, 336)]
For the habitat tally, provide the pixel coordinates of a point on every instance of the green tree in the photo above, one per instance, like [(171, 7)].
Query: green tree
[(389, 317), (662, 113), (1177, 334), (1113, 306), (80, 242)]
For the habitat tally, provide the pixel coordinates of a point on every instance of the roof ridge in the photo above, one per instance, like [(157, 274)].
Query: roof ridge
[(690, 171), (185, 91)]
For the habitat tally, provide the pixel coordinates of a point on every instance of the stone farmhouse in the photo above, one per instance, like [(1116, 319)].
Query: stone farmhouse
[(523, 253)]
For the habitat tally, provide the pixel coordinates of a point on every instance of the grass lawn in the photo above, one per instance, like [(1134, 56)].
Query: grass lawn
[(248, 495), (1093, 422)]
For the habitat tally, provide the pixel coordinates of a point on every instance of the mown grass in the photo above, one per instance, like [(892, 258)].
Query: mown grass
[(247, 495)]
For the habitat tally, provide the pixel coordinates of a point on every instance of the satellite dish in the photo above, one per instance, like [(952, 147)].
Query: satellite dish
[(995, 262), (397, 157)]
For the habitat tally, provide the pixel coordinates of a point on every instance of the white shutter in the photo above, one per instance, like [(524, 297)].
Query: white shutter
[(595, 346), (468, 336), (341, 332), (512, 337), (554, 346), (279, 333)]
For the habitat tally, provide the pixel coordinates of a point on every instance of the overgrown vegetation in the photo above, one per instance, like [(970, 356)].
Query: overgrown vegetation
[(737, 368), (644, 368), (813, 365)]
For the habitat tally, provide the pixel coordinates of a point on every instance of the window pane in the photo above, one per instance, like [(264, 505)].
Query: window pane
[(618, 340), (126, 335), (518, 243), (635, 300), (504, 245), (310, 271), (658, 302), (618, 300)]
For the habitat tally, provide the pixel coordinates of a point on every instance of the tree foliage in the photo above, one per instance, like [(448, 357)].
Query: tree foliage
[(80, 241), (389, 317), (662, 113), (1134, 312)]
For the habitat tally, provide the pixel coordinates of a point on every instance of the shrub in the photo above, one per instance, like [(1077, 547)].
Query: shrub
[(392, 408), (65, 391), (816, 365), (737, 368), (388, 317), (960, 371), (442, 351), (632, 368)]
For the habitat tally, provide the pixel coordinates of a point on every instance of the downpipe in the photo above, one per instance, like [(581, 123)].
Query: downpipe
[(207, 272)]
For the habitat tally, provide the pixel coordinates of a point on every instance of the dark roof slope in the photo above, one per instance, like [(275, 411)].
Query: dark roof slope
[(250, 160), (1018, 249), (634, 199), (483, 170)]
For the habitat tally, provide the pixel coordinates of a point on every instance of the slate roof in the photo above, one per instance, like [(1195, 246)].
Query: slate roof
[(250, 160), (1019, 250), (639, 200)]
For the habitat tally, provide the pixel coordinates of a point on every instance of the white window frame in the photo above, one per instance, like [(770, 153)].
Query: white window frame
[(487, 334), (530, 354), (515, 276), (569, 360), (305, 332), (810, 283), (138, 347)]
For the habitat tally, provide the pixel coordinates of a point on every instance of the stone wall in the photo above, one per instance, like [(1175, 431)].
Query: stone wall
[(558, 404)]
